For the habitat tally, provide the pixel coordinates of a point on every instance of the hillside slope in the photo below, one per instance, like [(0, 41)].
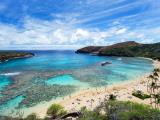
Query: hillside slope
[(126, 49)]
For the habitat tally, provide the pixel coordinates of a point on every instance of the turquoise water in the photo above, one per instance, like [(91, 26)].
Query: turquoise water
[(52, 74), (9, 107), (4, 82), (63, 80)]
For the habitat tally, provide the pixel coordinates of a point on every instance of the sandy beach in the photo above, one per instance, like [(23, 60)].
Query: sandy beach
[(91, 98)]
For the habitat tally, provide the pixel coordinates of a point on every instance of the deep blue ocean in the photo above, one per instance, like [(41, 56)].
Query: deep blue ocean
[(51, 74)]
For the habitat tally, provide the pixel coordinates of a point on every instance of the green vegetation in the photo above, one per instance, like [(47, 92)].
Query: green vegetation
[(56, 111), (109, 110), (153, 87), (140, 95), (125, 49), (32, 116), (91, 115), (89, 49), (119, 110), (112, 97), (8, 55)]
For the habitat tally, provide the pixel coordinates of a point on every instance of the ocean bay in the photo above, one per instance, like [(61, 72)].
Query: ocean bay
[(33, 73)]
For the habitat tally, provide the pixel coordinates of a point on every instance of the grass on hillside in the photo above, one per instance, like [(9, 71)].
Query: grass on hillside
[(110, 110)]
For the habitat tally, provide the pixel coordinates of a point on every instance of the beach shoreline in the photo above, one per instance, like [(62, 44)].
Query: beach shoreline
[(92, 97)]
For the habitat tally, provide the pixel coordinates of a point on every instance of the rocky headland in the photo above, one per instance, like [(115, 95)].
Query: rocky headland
[(10, 55), (125, 49)]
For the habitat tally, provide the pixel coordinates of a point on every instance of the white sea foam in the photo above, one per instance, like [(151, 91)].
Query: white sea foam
[(10, 74), (119, 58)]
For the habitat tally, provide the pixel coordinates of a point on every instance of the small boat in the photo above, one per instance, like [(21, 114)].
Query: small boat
[(105, 63)]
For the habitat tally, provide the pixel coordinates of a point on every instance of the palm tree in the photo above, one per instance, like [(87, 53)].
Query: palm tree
[(92, 100), (153, 85), (155, 74), (150, 77), (157, 99), (156, 70)]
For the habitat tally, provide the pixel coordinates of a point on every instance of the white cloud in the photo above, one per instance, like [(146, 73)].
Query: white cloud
[(121, 31), (48, 33), (52, 33)]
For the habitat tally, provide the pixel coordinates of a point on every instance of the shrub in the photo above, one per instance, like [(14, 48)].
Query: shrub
[(56, 110), (46, 118), (131, 116), (112, 97), (130, 111), (32, 116), (140, 95), (91, 115)]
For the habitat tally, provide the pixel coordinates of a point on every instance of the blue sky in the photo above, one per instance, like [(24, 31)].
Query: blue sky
[(70, 24)]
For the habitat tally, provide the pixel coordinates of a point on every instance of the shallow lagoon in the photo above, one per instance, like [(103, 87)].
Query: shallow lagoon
[(52, 74), (64, 80)]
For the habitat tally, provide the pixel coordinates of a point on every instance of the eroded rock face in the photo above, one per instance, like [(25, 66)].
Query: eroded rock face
[(125, 49), (10, 55)]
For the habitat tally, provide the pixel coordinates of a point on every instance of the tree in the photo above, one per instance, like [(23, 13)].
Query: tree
[(56, 111), (112, 97), (153, 87), (150, 78), (32, 116)]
